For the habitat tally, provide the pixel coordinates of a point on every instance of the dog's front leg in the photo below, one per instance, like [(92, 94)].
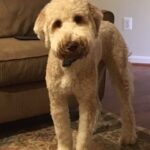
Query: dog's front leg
[(87, 120), (60, 116)]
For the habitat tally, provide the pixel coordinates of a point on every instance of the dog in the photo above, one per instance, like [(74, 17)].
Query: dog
[(78, 41)]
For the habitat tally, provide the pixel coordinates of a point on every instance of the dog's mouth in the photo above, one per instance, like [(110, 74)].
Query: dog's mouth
[(68, 62), (72, 51)]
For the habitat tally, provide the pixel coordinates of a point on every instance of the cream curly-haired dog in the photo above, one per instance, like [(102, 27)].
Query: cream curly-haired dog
[(78, 41)]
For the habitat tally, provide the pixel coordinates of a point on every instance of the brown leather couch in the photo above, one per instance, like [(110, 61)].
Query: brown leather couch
[(23, 92)]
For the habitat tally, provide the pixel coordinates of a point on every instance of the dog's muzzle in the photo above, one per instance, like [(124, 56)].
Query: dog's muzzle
[(72, 51), (72, 47)]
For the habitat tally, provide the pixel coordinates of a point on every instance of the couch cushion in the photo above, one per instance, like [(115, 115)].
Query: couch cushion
[(17, 17), (108, 16), (21, 61)]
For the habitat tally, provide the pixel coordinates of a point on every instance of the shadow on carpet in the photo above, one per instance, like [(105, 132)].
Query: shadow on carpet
[(105, 138)]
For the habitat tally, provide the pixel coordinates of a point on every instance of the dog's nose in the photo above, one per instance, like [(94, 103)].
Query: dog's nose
[(72, 46)]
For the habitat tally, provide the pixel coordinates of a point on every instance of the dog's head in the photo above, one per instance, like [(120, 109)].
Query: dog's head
[(68, 28)]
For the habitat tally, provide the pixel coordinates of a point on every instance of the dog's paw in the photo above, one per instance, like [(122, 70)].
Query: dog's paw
[(128, 138), (64, 149)]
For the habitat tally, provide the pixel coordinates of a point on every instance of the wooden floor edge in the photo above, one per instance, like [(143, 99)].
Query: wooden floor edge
[(140, 64)]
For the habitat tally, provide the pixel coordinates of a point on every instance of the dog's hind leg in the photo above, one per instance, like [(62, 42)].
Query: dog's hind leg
[(60, 115), (100, 93), (101, 79), (117, 64), (123, 82)]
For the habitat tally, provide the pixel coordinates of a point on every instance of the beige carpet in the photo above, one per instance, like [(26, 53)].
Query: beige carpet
[(105, 138)]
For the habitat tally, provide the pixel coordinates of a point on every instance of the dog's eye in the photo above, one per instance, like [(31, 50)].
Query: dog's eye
[(78, 19), (57, 24)]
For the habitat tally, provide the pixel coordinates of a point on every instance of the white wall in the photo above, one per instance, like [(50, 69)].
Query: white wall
[(138, 39)]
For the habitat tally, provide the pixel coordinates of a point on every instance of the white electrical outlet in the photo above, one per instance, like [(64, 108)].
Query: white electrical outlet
[(128, 23)]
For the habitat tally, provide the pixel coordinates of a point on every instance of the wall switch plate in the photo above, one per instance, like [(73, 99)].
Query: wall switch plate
[(128, 23)]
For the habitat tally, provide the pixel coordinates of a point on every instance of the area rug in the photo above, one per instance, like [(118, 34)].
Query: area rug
[(105, 138)]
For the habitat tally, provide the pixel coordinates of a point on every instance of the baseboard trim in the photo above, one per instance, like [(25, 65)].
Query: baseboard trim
[(139, 59)]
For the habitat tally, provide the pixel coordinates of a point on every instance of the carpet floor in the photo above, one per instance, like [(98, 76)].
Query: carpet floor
[(105, 138)]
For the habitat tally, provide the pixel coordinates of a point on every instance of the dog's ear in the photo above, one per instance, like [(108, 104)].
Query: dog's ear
[(97, 16), (41, 28)]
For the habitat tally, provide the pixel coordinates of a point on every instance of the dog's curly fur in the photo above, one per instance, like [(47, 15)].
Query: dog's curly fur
[(78, 41)]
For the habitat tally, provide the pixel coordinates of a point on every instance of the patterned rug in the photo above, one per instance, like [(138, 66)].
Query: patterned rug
[(105, 138)]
